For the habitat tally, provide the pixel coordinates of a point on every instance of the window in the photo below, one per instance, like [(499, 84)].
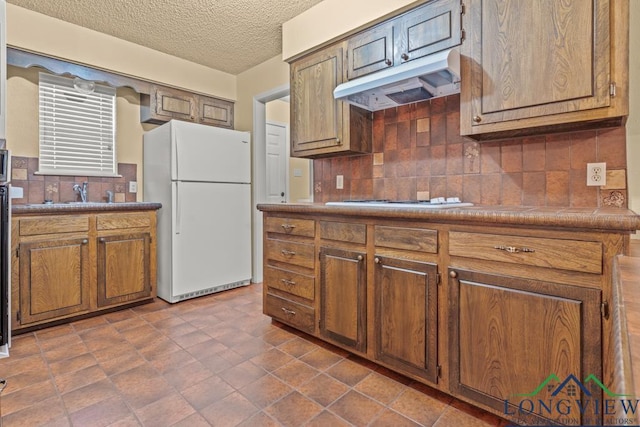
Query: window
[(77, 127)]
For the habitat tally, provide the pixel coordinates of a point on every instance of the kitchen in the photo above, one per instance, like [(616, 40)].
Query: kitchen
[(360, 176)]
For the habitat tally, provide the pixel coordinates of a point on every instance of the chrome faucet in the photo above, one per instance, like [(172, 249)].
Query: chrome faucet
[(82, 190)]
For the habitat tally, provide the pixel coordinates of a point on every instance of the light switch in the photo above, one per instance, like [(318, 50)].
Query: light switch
[(133, 187), (339, 182)]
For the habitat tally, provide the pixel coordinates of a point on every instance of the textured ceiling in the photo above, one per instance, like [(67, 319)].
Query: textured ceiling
[(227, 35)]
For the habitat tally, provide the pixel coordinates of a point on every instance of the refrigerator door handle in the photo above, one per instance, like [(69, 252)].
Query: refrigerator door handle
[(177, 216)]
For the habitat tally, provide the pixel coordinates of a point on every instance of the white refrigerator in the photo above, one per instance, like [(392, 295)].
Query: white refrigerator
[(202, 176)]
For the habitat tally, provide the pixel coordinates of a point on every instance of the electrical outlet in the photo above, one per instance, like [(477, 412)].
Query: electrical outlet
[(133, 187), (596, 174), (339, 182)]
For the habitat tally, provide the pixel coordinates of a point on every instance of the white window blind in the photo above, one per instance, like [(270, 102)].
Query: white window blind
[(77, 128)]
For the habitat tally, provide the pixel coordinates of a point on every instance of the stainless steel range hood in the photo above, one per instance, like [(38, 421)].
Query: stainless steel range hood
[(432, 76)]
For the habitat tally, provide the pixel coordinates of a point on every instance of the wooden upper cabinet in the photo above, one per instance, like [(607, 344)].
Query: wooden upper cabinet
[(430, 28), (216, 112), (427, 29), (530, 65), (164, 104), (320, 125), (370, 51)]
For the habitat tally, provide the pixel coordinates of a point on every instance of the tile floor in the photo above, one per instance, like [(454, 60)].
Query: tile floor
[(215, 360)]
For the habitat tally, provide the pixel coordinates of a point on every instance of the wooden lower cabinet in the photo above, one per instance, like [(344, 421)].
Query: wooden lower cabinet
[(406, 315), (54, 279), (123, 268), (79, 264), (343, 291), (508, 335)]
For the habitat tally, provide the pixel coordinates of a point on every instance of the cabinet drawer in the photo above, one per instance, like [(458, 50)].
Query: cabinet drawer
[(52, 225), (343, 232), (573, 255), (288, 281), (122, 220), (292, 226), (301, 254), (412, 239), (292, 313)]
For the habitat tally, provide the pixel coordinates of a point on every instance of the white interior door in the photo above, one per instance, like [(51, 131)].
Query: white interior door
[(277, 163)]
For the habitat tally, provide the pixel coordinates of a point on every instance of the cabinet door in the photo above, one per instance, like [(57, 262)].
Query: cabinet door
[(533, 59), (370, 51), (406, 315), (216, 112), (164, 104), (316, 116), (343, 296), (514, 340), (54, 279), (123, 268), (430, 28)]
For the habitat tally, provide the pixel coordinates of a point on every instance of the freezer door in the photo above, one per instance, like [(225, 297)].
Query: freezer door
[(211, 235), (209, 154)]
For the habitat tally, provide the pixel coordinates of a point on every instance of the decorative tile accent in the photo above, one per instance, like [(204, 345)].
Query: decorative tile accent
[(616, 180), (615, 199)]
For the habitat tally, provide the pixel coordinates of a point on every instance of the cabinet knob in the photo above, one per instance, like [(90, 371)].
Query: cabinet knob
[(377, 260), (338, 141), (404, 56), (102, 240), (85, 241), (453, 274), (477, 119), (360, 257), (388, 62)]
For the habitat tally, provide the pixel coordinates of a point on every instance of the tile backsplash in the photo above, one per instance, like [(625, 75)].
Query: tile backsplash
[(418, 151), (59, 188)]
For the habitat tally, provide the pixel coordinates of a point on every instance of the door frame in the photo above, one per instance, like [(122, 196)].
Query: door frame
[(259, 170)]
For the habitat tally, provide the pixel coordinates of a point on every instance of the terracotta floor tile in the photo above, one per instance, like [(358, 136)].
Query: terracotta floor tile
[(349, 372), (170, 361), (230, 411), (27, 396), (392, 418), (327, 419), (297, 347), (260, 419), (194, 420), (214, 360), (73, 364), (295, 373), (321, 359), (356, 408), (42, 413), (207, 392), (294, 410), (242, 374), (166, 411), (265, 391), (89, 395), (323, 389), (79, 378), (420, 408), (380, 388), (272, 359), (101, 414), (186, 375)]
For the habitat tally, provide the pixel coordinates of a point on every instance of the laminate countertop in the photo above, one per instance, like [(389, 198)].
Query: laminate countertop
[(57, 208), (605, 219)]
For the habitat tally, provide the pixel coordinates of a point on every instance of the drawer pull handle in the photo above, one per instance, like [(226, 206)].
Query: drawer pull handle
[(513, 249), (288, 282), (288, 227), (287, 253), (288, 312)]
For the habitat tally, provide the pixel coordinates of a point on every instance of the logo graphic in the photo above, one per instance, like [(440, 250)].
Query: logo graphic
[(573, 402)]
